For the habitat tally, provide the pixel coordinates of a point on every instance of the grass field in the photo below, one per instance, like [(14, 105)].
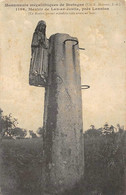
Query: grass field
[(105, 162), (21, 166)]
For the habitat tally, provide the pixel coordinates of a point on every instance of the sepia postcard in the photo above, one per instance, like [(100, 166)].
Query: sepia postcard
[(63, 97)]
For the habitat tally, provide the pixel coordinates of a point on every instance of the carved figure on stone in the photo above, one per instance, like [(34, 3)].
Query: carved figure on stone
[(39, 59)]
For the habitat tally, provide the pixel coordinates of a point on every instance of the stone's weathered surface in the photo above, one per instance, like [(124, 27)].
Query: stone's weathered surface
[(63, 148)]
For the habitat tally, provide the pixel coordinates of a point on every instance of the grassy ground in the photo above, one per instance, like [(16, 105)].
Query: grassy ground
[(105, 160), (21, 166)]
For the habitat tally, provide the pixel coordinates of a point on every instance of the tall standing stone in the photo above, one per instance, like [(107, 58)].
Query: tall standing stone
[(55, 66), (63, 149)]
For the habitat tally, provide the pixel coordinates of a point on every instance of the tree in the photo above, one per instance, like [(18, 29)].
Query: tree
[(7, 123), (92, 127), (1, 123), (92, 131), (18, 132), (120, 128), (40, 131), (8, 127), (105, 160), (108, 129), (33, 135)]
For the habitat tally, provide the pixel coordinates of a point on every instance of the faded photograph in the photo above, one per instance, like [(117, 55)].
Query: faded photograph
[(63, 97)]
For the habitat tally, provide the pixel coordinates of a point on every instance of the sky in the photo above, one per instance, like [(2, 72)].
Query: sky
[(103, 63)]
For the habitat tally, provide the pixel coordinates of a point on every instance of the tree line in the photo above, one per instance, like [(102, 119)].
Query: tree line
[(104, 159), (9, 128)]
